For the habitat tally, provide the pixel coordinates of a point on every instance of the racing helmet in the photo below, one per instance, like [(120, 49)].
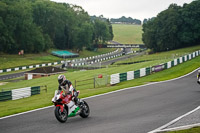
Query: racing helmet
[(61, 79)]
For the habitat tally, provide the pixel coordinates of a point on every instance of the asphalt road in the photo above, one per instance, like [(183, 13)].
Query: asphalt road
[(11, 76), (120, 58), (136, 110)]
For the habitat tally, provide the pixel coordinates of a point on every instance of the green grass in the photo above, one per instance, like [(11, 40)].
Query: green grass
[(192, 130), (127, 34), (10, 61), (44, 99)]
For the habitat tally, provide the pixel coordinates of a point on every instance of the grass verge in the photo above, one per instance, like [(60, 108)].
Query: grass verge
[(191, 130)]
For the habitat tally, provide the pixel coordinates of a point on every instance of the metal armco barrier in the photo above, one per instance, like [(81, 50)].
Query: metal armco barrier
[(120, 77)]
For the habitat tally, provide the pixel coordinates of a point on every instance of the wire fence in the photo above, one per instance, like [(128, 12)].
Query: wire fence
[(95, 82)]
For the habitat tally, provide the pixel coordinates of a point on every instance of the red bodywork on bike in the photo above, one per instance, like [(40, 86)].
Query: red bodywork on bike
[(65, 100)]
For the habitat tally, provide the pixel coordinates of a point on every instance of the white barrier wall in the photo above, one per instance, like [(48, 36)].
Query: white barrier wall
[(169, 64), (130, 75), (185, 57), (181, 59), (175, 62), (142, 72), (21, 93), (190, 57), (114, 79)]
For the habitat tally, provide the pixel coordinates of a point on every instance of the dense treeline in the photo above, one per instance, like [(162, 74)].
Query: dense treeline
[(128, 20), (173, 28), (123, 19), (37, 25)]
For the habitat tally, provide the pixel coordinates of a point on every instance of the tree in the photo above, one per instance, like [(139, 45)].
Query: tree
[(101, 32), (144, 21), (173, 28), (123, 19), (37, 25)]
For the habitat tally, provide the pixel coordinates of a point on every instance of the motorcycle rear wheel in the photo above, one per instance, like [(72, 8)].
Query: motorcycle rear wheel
[(85, 110), (61, 116)]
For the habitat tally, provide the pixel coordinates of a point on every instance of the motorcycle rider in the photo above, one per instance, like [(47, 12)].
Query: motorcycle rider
[(66, 85)]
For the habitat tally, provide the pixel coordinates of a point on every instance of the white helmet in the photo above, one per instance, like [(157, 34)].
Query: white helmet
[(61, 79)]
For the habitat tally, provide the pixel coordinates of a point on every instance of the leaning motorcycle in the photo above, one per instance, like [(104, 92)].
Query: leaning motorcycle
[(66, 107)]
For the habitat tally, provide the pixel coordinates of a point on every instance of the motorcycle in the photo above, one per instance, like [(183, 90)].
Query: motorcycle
[(65, 107)]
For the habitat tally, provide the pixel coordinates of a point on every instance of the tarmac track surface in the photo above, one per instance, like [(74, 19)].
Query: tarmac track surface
[(135, 110), (11, 76), (109, 62)]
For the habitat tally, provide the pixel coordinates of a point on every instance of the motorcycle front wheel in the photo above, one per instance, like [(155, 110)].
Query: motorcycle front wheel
[(61, 116), (85, 110)]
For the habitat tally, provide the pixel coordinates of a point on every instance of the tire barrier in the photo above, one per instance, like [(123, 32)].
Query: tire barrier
[(120, 77), (19, 93)]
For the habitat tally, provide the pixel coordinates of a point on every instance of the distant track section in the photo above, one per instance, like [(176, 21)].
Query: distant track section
[(11, 76)]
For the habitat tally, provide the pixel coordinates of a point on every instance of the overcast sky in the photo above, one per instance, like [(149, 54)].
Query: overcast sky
[(138, 9)]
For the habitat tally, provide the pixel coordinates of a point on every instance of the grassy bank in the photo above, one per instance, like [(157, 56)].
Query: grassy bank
[(44, 99), (127, 34), (192, 130), (10, 61)]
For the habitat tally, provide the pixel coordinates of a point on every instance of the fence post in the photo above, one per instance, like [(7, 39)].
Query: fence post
[(45, 88), (94, 82), (75, 83)]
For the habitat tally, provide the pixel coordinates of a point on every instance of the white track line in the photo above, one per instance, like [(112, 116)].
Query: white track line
[(102, 94), (181, 127), (25, 112), (162, 128)]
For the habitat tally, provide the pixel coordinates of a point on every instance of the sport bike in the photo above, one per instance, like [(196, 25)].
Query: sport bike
[(66, 107)]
